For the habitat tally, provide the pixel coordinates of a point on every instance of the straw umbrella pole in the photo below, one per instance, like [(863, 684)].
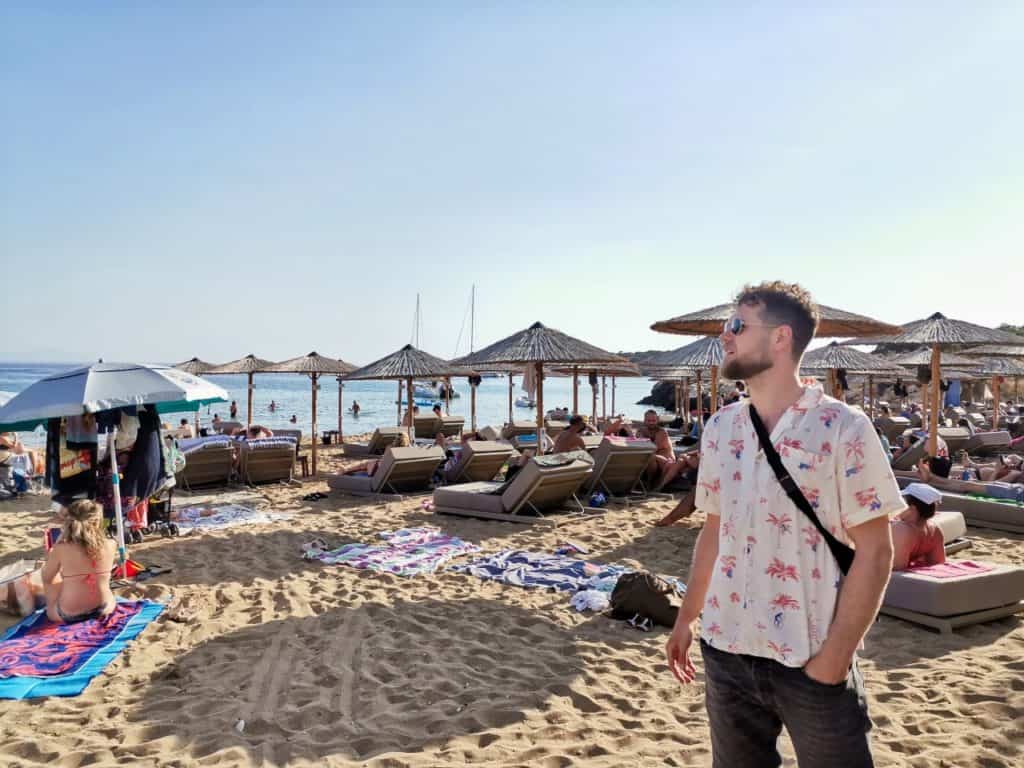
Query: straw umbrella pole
[(539, 345), (938, 331), (249, 365), (999, 368), (314, 366), (575, 390), (196, 367)]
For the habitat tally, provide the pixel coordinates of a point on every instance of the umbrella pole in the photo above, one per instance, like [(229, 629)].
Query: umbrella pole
[(448, 396), (700, 407), (864, 395), (472, 406), (714, 388), (313, 378), (676, 387), (604, 398), (540, 409), (613, 395), (871, 397), (341, 408), (510, 399), (399, 422), (115, 481), (593, 396), (248, 415), (412, 413), (933, 426), (575, 390), (995, 402), (686, 399)]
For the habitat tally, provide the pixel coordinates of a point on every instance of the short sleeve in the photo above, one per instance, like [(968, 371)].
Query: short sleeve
[(867, 487), (709, 483)]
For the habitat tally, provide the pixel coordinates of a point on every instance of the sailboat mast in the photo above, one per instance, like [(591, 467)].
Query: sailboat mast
[(472, 317), (417, 344)]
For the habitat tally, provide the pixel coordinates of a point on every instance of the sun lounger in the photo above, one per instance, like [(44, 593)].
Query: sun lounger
[(208, 463), (987, 442), (554, 427), (592, 442), (517, 428), (892, 426), (481, 460), (379, 441), (909, 459), (534, 490), (954, 531), (955, 437), (489, 434), (268, 460), (618, 467), (916, 420), (981, 512), (293, 433), (401, 470), (949, 603), (979, 419)]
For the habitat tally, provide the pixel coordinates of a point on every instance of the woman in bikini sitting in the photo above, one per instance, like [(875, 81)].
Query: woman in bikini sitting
[(76, 577), (916, 540)]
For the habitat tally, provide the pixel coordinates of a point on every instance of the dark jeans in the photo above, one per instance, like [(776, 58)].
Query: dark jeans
[(749, 699)]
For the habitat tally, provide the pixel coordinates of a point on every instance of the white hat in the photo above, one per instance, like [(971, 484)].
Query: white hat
[(923, 493)]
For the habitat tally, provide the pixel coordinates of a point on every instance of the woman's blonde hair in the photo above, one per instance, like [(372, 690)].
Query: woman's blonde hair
[(402, 441), (83, 525)]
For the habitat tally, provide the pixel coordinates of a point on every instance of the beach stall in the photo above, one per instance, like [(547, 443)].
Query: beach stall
[(314, 366), (536, 346), (103, 393), (249, 365)]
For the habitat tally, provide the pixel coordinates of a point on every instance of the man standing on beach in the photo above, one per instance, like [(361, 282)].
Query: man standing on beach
[(780, 624)]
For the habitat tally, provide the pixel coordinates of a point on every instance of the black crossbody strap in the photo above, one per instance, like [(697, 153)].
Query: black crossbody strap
[(842, 553)]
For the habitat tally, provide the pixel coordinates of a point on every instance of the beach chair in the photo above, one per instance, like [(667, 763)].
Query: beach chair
[(293, 433), (979, 512), (541, 486), (984, 443), (401, 470), (517, 428), (592, 442), (618, 468), (452, 426), (268, 460), (482, 460), (210, 462), (909, 459), (948, 603), (954, 531), (380, 440), (979, 419), (955, 437), (892, 426)]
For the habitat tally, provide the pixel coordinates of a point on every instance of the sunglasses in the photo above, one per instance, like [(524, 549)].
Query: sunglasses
[(736, 325)]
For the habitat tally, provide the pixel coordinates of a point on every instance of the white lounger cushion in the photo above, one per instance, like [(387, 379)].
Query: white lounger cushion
[(1003, 585)]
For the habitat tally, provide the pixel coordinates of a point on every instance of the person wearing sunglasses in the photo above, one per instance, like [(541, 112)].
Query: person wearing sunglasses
[(780, 622)]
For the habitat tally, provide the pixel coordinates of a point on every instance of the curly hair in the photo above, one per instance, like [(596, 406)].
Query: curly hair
[(785, 304), (83, 525)]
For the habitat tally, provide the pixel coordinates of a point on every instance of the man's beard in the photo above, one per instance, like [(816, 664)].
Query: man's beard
[(746, 369)]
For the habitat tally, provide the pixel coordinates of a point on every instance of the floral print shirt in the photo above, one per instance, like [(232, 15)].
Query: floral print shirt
[(775, 585)]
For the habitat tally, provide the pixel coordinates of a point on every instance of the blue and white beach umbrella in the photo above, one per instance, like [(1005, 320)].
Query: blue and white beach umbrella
[(102, 387)]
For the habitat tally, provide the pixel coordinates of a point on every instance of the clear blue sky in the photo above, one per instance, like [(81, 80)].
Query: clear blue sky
[(179, 181)]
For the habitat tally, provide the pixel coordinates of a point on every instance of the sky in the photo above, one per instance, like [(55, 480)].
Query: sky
[(180, 180)]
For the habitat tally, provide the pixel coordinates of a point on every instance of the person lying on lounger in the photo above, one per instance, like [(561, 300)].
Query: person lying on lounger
[(369, 467), (1011, 487), (916, 540), (663, 454), (1007, 468), (570, 439), (685, 466), (76, 576)]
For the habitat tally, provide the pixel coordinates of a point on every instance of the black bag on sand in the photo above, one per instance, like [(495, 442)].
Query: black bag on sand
[(643, 595)]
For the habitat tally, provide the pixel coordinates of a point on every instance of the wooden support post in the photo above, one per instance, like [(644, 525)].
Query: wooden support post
[(341, 408), (933, 426), (315, 436), (399, 422), (575, 390), (714, 388), (248, 415), (540, 409)]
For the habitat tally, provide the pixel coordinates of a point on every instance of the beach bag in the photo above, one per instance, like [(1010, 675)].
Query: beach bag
[(643, 597)]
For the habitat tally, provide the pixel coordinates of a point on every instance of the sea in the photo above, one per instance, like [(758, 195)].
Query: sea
[(377, 399)]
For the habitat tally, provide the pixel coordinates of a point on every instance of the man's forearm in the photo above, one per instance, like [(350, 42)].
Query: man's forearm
[(705, 552), (859, 601)]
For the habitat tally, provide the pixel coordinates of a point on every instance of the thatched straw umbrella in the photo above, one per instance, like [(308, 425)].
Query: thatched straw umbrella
[(249, 365), (511, 370), (938, 331), (1001, 350), (832, 322), (834, 358), (703, 354), (407, 364), (999, 367), (195, 366), (315, 366), (538, 345)]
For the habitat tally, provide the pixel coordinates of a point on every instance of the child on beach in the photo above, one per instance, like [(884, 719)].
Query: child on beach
[(76, 576)]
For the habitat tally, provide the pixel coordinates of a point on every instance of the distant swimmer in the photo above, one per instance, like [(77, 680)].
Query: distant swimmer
[(272, 406), (234, 410), (294, 419), (355, 408)]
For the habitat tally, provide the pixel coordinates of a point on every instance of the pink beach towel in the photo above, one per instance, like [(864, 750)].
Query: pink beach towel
[(953, 569)]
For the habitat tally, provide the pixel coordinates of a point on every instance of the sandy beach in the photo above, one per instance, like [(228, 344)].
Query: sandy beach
[(329, 665)]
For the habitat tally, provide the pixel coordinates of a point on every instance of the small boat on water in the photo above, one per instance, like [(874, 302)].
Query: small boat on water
[(525, 402), (433, 389)]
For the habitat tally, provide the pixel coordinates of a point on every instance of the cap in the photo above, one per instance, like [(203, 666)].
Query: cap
[(923, 493)]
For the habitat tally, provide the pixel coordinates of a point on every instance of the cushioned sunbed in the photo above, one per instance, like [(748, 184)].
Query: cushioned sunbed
[(400, 470)]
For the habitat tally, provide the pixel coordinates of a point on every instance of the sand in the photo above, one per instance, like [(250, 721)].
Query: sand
[(328, 665)]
